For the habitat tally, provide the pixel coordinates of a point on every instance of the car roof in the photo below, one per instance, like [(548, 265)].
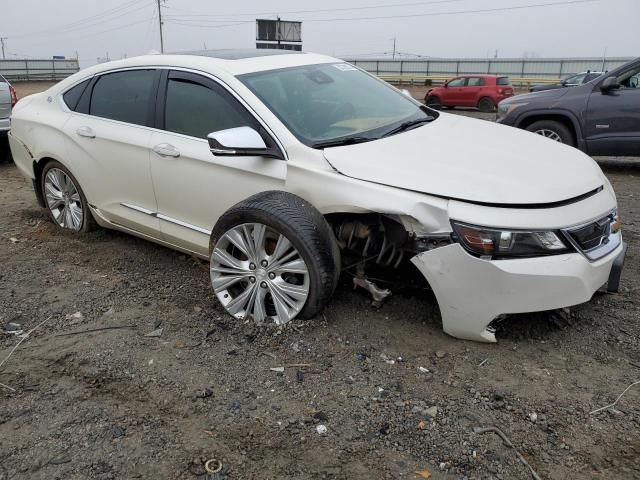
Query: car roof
[(230, 62), (239, 53)]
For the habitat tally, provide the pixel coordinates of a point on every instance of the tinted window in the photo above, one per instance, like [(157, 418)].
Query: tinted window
[(72, 95), (591, 76), (197, 110), (576, 79), (475, 82), (503, 81), (123, 96)]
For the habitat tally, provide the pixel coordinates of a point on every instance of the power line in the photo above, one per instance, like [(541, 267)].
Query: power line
[(89, 22), (195, 25), (367, 7), (203, 22), (458, 12)]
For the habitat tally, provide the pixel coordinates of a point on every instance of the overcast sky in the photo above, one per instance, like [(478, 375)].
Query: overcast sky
[(93, 28)]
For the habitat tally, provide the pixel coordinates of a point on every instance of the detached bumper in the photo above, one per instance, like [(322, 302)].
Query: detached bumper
[(472, 292)]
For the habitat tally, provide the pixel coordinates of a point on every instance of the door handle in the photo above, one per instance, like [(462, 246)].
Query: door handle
[(166, 150), (86, 132)]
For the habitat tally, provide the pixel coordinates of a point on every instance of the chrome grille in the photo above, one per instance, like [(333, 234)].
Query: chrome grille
[(595, 239)]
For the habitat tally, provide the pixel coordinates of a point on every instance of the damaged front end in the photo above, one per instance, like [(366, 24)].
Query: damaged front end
[(376, 242)]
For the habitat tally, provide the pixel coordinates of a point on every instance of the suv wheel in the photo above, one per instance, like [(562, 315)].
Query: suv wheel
[(66, 203), (486, 105), (553, 131), (273, 259)]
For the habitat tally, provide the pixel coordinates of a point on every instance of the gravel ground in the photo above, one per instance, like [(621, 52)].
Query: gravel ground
[(396, 395)]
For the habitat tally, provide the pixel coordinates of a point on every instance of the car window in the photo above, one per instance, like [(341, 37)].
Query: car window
[(72, 95), (457, 82), (591, 76), (332, 102), (576, 79), (630, 78), (198, 109), (123, 96), (475, 82), (503, 81)]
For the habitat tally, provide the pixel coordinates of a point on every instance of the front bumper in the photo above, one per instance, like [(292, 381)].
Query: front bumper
[(472, 292)]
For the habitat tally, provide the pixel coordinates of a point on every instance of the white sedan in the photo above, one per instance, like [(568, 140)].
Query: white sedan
[(275, 166)]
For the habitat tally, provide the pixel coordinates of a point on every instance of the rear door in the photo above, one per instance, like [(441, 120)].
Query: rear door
[(5, 99), (193, 186), (612, 122), (108, 135)]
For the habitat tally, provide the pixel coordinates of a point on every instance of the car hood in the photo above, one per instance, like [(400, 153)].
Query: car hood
[(472, 160), (542, 96)]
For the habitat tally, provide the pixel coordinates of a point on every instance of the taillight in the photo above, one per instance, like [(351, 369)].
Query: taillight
[(14, 96)]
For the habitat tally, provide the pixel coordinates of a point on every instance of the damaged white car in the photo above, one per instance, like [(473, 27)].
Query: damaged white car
[(276, 166)]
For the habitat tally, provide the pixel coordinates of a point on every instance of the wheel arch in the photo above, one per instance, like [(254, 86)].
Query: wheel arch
[(38, 168), (568, 119)]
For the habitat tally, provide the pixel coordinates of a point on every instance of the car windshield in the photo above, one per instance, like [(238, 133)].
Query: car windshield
[(330, 104)]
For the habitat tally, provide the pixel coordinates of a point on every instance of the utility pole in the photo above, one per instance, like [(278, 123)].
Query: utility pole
[(2, 39), (160, 25), (278, 32), (393, 55)]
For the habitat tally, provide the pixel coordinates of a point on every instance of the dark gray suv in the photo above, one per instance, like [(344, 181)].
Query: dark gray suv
[(601, 117)]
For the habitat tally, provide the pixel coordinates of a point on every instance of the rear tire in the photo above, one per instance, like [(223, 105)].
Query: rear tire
[(64, 200), (286, 218), (486, 105), (553, 130)]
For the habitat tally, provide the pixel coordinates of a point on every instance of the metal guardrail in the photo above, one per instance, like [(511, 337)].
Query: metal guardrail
[(522, 71), (27, 70), (417, 80)]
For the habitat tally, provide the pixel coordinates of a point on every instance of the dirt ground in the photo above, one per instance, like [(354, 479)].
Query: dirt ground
[(396, 395)]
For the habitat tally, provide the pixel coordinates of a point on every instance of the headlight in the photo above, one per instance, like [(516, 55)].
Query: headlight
[(505, 109), (494, 243)]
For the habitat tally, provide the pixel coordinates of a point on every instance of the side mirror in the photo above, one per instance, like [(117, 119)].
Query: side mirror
[(446, 85), (240, 142), (609, 83)]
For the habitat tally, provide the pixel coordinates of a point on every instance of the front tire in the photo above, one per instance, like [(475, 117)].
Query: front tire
[(433, 101), (273, 259), (64, 199), (553, 131)]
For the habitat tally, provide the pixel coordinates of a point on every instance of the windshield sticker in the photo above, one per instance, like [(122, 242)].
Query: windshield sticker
[(345, 67)]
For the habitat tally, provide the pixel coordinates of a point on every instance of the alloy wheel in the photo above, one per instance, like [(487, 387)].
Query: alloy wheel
[(257, 272), (63, 199), (550, 134)]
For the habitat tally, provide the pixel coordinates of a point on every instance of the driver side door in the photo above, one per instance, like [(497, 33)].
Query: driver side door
[(454, 93), (193, 186), (612, 123)]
